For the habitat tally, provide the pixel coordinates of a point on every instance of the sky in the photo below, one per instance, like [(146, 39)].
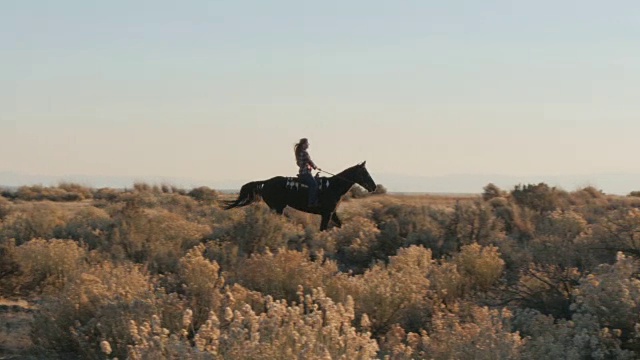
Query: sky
[(221, 90)]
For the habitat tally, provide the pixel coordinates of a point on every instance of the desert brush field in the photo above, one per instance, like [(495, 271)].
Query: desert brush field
[(160, 272)]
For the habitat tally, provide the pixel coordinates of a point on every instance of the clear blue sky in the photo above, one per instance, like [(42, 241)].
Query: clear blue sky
[(217, 90)]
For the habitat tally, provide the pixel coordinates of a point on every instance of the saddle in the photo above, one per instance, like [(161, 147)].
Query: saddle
[(294, 181)]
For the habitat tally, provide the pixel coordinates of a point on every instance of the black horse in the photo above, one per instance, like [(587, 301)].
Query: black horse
[(280, 191)]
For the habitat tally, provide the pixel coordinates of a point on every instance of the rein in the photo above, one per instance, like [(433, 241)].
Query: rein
[(338, 176)]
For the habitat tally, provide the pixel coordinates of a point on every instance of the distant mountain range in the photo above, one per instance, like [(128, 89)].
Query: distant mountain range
[(610, 183)]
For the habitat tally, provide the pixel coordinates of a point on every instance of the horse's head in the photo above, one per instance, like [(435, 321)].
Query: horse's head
[(361, 177)]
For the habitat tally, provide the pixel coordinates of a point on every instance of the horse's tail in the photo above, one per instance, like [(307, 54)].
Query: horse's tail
[(249, 193)]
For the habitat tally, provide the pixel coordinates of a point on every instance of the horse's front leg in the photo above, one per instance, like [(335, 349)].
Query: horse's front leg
[(324, 223), (336, 219)]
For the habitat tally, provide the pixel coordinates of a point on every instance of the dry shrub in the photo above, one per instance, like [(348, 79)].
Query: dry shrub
[(258, 229), (48, 263), (76, 192), (491, 191), (33, 220), (539, 198), (353, 245), (9, 267), (566, 230), (90, 225), (408, 218), (180, 204), (155, 237), (106, 194), (576, 339), (280, 274), (447, 284), (317, 328), (612, 294), (225, 253), (479, 266), (546, 288), (202, 284), (486, 334), (5, 208), (94, 306), (390, 294), (63, 192), (446, 230), (618, 230), (204, 195)]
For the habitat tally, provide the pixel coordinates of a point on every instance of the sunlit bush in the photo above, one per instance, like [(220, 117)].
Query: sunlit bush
[(352, 245), (612, 295), (280, 274), (201, 283), (96, 305), (48, 263), (32, 220), (393, 293), (480, 266), (486, 334), (316, 328), (257, 229), (90, 225), (63, 192), (155, 237), (576, 339)]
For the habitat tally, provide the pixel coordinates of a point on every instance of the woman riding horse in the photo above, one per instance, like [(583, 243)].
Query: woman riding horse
[(305, 165), (280, 192)]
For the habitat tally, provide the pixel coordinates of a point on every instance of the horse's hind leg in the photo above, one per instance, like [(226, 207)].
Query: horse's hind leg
[(278, 208)]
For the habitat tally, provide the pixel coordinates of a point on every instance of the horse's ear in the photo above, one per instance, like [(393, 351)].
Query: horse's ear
[(363, 163)]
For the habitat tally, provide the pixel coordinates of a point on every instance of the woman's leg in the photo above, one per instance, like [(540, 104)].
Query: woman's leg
[(313, 188)]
